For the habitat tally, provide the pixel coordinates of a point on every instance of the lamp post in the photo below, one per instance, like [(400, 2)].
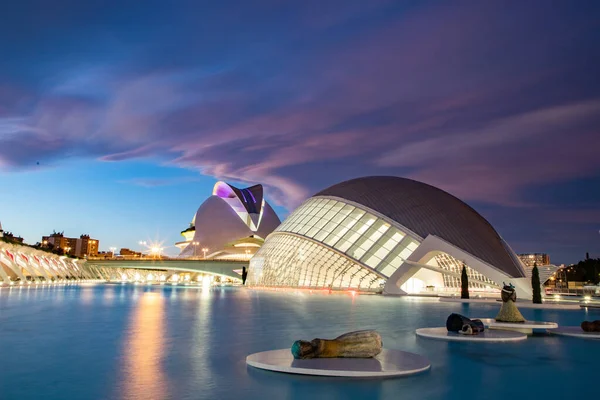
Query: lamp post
[(195, 244), (156, 251), (564, 270), (112, 250), (204, 250)]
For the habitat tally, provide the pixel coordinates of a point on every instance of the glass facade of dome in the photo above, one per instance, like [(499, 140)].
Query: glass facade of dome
[(322, 230), (386, 234)]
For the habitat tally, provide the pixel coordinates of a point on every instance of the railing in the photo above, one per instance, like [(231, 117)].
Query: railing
[(574, 292), (168, 259)]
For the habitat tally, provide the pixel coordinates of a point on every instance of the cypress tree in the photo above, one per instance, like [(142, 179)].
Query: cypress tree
[(464, 283), (535, 285), (244, 275)]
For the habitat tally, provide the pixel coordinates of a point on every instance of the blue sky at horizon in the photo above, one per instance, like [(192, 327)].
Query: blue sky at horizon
[(134, 110), (120, 203)]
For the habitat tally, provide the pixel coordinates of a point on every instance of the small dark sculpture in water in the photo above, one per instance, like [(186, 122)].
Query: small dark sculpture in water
[(461, 324), (591, 326), (508, 293), (359, 344), (509, 311)]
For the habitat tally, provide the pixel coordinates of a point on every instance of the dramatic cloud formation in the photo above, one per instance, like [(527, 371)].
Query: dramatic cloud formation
[(483, 99)]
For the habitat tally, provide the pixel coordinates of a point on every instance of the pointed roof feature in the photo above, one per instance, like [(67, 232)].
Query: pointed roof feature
[(244, 201)]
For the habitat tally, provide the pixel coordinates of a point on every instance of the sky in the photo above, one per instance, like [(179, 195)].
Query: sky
[(117, 117)]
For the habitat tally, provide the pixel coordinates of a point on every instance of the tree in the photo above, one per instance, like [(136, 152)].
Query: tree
[(244, 275), (535, 285), (464, 283)]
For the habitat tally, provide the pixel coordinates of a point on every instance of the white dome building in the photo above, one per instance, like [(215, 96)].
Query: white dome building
[(386, 234), (231, 224)]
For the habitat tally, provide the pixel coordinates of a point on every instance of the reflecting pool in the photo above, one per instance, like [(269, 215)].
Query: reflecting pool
[(163, 342)]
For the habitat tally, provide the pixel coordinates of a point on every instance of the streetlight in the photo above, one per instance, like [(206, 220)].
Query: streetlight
[(204, 250), (67, 249), (195, 244), (156, 251), (112, 250)]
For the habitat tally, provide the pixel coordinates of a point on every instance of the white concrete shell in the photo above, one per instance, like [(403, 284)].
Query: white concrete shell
[(438, 235), (21, 265), (229, 216)]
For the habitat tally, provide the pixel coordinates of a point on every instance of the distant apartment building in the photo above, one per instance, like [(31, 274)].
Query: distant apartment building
[(105, 254), (84, 246), (8, 236), (129, 253), (534, 258), (56, 240), (11, 238)]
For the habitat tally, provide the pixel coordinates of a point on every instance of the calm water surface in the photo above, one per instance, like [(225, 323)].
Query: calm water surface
[(136, 342)]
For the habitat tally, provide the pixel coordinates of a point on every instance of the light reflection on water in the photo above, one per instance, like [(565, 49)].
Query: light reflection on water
[(162, 342), (144, 349)]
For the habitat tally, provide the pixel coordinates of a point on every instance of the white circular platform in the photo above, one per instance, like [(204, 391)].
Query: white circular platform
[(492, 323), (442, 333), (523, 327), (575, 331), (387, 364)]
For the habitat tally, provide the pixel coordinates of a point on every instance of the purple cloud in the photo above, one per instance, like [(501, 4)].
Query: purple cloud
[(480, 99)]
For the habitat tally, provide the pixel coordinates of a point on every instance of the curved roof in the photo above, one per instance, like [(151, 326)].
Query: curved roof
[(222, 218), (426, 210), (250, 198)]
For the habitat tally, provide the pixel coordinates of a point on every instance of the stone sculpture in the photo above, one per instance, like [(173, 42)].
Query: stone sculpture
[(461, 324), (509, 311), (591, 326), (359, 344)]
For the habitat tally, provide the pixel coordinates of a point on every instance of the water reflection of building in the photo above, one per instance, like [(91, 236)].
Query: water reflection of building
[(386, 233), (230, 225)]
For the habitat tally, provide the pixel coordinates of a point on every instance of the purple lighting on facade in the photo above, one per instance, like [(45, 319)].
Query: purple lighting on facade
[(244, 196), (251, 195), (223, 190)]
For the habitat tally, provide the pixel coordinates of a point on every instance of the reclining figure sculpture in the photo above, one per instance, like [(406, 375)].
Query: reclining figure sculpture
[(591, 326), (461, 324), (509, 311), (359, 344)]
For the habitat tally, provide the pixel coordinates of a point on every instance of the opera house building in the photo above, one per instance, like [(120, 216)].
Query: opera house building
[(230, 225), (377, 234)]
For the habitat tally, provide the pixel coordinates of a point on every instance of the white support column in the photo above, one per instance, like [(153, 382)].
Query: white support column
[(48, 266), (68, 265), (63, 268), (14, 268), (21, 263), (433, 245), (35, 265), (4, 275)]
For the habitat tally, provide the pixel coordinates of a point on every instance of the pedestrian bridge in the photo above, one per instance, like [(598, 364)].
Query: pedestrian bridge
[(116, 269)]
